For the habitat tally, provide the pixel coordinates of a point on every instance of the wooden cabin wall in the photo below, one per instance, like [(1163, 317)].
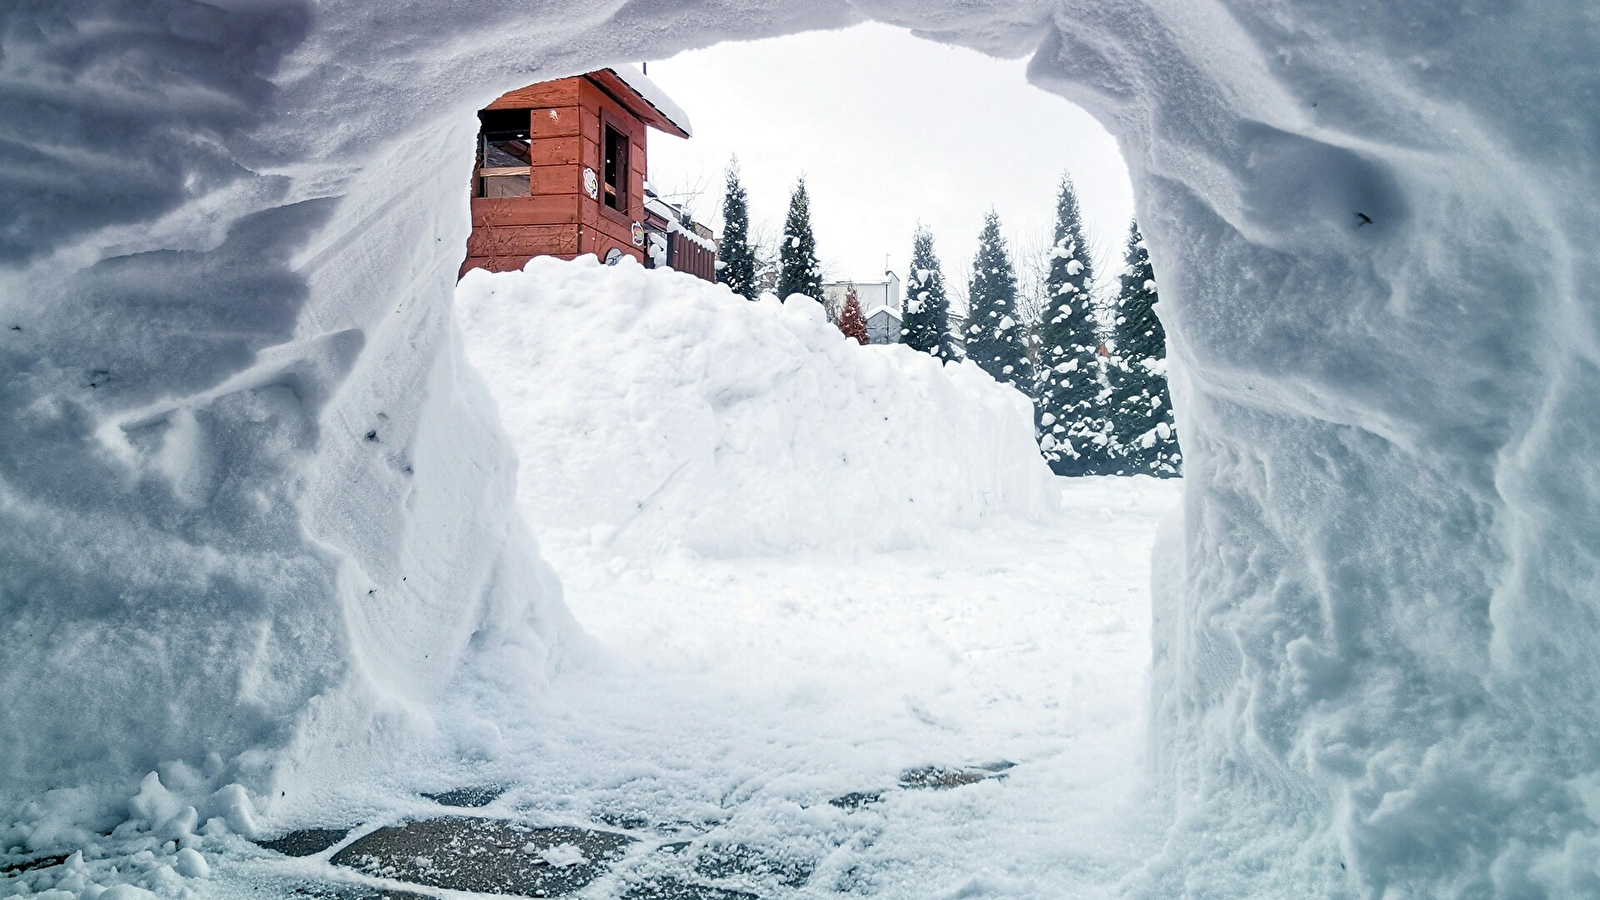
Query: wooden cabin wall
[(603, 227), (557, 218)]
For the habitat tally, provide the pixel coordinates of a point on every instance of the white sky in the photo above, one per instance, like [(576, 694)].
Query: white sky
[(888, 129)]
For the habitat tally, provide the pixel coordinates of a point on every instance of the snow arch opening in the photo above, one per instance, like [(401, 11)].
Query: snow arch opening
[(255, 506)]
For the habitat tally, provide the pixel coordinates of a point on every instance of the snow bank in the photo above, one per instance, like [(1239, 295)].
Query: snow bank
[(228, 247), (653, 409)]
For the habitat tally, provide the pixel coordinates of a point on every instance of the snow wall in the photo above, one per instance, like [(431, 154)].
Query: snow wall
[(243, 469), (653, 411)]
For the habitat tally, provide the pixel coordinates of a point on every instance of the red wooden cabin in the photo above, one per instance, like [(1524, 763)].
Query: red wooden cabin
[(561, 169)]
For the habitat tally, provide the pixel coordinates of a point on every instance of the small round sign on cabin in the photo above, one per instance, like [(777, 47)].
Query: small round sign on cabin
[(638, 235), (591, 183), (613, 256)]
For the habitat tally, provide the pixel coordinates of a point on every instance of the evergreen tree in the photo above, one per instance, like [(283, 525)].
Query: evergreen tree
[(798, 271), (926, 325), (1074, 432), (851, 321), (995, 338), (735, 256), (1146, 438)]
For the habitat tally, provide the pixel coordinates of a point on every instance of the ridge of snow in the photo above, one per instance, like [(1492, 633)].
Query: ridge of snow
[(718, 390)]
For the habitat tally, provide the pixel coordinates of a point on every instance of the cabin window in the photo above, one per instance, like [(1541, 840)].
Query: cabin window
[(504, 147), (614, 186)]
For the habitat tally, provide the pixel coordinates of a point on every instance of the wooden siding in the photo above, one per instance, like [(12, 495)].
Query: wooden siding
[(543, 95), (523, 240), (688, 256), (549, 209)]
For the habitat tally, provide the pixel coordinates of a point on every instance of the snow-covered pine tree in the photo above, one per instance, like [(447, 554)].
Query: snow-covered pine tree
[(926, 325), (1146, 437), (798, 271), (1073, 429), (995, 336), (735, 256), (851, 321)]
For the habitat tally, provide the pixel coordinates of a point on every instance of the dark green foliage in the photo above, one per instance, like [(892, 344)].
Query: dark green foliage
[(737, 257), (798, 271), (926, 325), (1074, 432), (1146, 438), (995, 336)]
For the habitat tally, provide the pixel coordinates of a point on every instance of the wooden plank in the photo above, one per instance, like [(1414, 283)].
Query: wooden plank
[(590, 97), (556, 180), (609, 232), (591, 156), (564, 121), (601, 245), (558, 151), (608, 223), (493, 263), (639, 162), (523, 240), (563, 92), (550, 209)]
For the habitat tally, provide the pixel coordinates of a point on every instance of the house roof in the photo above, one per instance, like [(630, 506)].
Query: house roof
[(886, 310), (644, 98)]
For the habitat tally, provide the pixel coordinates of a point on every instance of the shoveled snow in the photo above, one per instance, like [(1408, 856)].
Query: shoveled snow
[(257, 529), (649, 411)]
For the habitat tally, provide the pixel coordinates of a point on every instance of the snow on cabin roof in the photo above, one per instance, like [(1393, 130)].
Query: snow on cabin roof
[(890, 311), (651, 93)]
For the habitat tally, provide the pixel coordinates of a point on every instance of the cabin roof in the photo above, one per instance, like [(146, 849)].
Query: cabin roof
[(644, 98)]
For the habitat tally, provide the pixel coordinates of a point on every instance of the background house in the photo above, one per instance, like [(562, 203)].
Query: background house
[(880, 303)]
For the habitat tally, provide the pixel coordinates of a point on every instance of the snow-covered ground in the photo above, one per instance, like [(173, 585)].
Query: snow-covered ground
[(772, 627), (755, 689), (740, 695), (815, 566)]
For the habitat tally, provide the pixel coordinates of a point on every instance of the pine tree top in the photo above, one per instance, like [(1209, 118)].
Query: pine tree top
[(799, 271), (736, 258), (927, 306), (996, 338)]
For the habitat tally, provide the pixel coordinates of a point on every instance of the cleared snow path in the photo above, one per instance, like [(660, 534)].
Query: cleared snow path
[(961, 719), (756, 690)]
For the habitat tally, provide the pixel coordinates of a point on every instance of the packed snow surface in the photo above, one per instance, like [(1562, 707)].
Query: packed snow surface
[(257, 519)]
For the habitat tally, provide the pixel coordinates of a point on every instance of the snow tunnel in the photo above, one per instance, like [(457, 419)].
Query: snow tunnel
[(256, 509)]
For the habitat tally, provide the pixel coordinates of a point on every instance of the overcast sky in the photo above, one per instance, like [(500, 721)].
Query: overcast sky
[(888, 129)]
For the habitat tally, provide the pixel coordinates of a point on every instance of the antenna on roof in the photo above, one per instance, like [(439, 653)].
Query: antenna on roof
[(644, 68)]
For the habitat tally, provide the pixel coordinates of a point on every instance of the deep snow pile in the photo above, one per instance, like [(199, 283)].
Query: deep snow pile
[(653, 410), (228, 243)]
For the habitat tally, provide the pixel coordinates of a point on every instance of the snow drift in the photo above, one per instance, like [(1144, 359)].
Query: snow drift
[(228, 241), (656, 410)]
